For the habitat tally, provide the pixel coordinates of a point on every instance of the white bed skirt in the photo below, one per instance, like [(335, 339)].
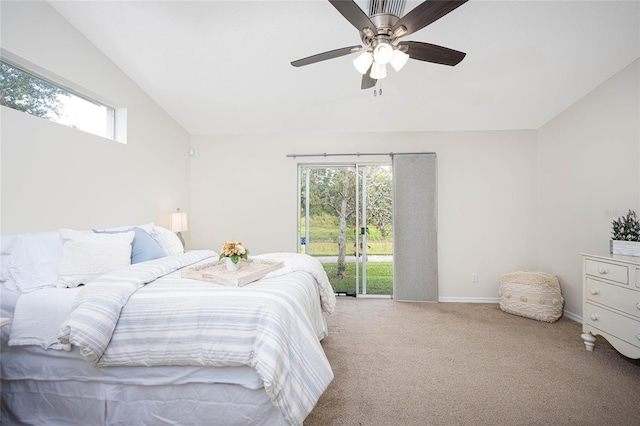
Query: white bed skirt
[(47, 387), (83, 403)]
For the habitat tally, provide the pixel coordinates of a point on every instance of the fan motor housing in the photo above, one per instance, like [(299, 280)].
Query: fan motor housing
[(383, 22)]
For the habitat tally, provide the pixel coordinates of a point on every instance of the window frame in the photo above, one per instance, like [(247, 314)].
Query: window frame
[(116, 118)]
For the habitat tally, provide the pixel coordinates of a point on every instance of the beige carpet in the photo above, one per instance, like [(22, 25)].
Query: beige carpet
[(468, 364)]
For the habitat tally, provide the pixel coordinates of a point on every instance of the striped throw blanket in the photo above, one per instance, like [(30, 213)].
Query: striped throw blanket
[(148, 315)]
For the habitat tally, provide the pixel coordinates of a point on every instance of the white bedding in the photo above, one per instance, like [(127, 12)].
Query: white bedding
[(294, 407), (93, 403), (19, 363), (38, 316), (297, 262)]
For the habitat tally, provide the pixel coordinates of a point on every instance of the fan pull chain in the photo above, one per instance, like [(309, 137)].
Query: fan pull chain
[(379, 90)]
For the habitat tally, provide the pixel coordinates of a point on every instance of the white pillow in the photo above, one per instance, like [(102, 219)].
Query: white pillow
[(87, 256), (34, 261), (6, 246), (168, 241)]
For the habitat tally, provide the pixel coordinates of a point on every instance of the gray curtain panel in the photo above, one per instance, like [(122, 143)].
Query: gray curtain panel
[(415, 228)]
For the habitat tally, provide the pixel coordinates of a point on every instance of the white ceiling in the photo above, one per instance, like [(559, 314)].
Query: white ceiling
[(224, 66)]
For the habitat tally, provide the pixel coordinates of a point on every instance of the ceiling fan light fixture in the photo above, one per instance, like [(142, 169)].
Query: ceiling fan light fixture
[(378, 71), (363, 62), (398, 60), (382, 53)]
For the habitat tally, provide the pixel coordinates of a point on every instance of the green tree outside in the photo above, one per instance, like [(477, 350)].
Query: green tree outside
[(24, 92)]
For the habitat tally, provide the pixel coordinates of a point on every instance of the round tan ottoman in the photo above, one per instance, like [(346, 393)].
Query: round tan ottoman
[(531, 294)]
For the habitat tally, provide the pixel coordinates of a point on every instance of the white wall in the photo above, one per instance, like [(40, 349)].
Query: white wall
[(588, 175), (507, 200), (55, 176), (244, 187)]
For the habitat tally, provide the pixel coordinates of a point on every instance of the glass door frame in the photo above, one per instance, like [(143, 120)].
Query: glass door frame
[(360, 207), (361, 213)]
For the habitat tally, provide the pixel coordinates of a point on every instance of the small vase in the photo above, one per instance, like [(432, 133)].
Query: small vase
[(232, 267)]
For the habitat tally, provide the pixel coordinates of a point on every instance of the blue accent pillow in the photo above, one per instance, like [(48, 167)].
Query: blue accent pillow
[(143, 247)]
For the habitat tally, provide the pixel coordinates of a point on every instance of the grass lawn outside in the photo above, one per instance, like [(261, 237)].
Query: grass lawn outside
[(379, 277), (330, 247), (323, 239)]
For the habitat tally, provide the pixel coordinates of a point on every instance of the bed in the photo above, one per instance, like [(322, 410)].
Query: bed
[(140, 344)]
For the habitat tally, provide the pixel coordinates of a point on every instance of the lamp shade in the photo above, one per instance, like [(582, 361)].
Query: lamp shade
[(382, 53), (363, 62), (179, 221), (398, 60), (378, 71)]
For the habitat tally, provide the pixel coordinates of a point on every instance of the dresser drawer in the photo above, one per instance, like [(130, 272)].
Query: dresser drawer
[(623, 328), (609, 271), (619, 298)]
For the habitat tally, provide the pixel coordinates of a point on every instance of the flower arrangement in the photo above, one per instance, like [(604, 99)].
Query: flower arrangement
[(234, 250), (626, 228)]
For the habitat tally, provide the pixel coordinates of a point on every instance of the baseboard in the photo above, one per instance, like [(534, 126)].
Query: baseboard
[(572, 316), (469, 299)]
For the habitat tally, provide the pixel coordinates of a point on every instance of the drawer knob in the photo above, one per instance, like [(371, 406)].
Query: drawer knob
[(594, 317), (603, 271), (595, 291)]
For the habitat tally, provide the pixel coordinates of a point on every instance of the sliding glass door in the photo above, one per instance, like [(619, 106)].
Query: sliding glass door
[(345, 221)]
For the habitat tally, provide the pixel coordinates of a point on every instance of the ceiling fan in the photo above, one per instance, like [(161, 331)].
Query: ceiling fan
[(380, 31)]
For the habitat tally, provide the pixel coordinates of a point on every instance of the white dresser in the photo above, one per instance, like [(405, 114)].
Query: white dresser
[(611, 302)]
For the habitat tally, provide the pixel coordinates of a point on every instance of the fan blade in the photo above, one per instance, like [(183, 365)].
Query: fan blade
[(326, 55), (352, 12), (367, 81), (432, 53), (425, 14)]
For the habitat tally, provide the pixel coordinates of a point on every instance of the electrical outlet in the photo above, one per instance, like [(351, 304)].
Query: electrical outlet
[(474, 277)]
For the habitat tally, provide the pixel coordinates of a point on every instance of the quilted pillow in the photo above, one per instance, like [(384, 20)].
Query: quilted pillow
[(144, 247), (86, 256), (34, 261), (169, 241)]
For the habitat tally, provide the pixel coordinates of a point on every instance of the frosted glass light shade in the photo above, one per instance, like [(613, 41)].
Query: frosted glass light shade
[(179, 222), (398, 60), (363, 62), (382, 53), (378, 71)]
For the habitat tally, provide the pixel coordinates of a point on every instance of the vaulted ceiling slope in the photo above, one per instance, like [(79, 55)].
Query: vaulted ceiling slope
[(222, 67)]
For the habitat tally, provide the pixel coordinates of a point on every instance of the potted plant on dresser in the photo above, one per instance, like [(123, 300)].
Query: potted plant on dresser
[(626, 235)]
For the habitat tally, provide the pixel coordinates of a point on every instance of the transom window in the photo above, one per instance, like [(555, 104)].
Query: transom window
[(34, 94)]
